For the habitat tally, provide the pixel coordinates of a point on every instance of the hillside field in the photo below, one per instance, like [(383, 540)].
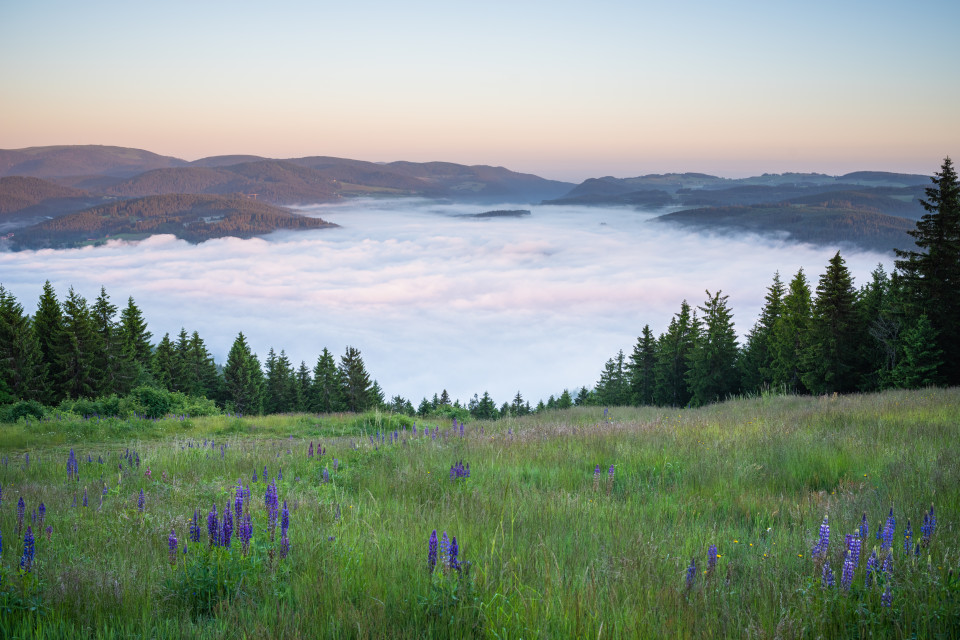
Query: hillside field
[(547, 546)]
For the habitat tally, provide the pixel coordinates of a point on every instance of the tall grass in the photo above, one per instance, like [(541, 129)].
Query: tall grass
[(552, 552)]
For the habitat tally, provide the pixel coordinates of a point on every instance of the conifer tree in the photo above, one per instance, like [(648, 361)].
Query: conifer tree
[(77, 350), (202, 369), (830, 355), (304, 383), (21, 368), (613, 388), (243, 378), (281, 386), (922, 358), (485, 409), (355, 385), (135, 341), (712, 373), (564, 401), (325, 392), (183, 376), (48, 327), (377, 398), (165, 366), (756, 358), (673, 349), (518, 407), (932, 271), (791, 335), (115, 369), (642, 365), (873, 307)]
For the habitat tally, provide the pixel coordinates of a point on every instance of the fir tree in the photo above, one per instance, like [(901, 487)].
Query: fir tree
[(304, 383), (203, 374), (932, 271), (756, 358), (134, 336), (518, 407), (564, 401), (791, 335), (830, 356), (613, 388), (21, 367), (48, 327), (165, 367), (116, 370), (922, 358), (642, 365), (325, 392), (281, 384), (673, 350), (77, 350), (485, 408), (712, 373), (243, 378), (355, 385)]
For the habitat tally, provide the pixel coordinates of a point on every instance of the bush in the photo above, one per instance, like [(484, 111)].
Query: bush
[(22, 409), (151, 402)]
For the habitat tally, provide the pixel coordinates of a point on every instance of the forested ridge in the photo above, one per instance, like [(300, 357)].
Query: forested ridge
[(194, 218), (897, 330)]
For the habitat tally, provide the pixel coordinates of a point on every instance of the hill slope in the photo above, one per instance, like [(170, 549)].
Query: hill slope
[(194, 218)]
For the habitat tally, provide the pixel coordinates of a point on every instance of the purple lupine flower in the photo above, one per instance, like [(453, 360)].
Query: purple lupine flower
[(284, 519), (141, 501), (466, 472), (432, 551), (226, 531), (873, 566), (854, 545), (887, 598), (907, 536), (610, 474), (84, 496), (846, 578), (888, 529), (692, 569), (26, 560), (280, 474), (310, 451), (72, 467), (864, 527), (887, 564), (265, 473), (325, 474), (454, 550), (336, 463), (827, 580), (49, 531), (21, 508), (213, 527), (254, 475), (245, 533), (1, 543), (712, 559), (444, 550), (284, 545), (195, 526), (823, 542), (172, 546), (238, 501)]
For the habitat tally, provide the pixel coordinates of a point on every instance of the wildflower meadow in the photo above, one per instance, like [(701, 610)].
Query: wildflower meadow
[(773, 516)]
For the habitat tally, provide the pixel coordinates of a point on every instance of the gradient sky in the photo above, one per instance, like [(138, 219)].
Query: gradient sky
[(565, 90)]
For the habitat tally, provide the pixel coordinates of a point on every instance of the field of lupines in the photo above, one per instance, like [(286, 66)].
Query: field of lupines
[(790, 517)]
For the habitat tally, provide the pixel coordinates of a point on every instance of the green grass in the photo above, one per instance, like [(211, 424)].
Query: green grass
[(552, 552)]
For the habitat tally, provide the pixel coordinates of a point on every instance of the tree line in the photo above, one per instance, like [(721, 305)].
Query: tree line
[(899, 330)]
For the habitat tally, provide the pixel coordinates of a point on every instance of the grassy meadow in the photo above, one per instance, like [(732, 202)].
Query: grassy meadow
[(548, 548)]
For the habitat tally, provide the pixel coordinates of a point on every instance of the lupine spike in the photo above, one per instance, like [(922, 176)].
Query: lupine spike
[(26, 560), (141, 501), (172, 546), (691, 570), (432, 551), (712, 559), (827, 580)]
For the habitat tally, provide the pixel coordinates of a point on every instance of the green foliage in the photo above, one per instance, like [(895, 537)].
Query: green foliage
[(209, 576), (153, 402), (21, 409), (356, 389), (243, 378), (673, 358), (712, 373)]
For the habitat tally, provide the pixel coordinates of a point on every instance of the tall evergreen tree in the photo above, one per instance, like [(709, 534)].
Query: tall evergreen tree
[(641, 367), (134, 336), (712, 373), (485, 409), (243, 378), (673, 350), (922, 358), (613, 388), (325, 393), (21, 367), (183, 380), (564, 401), (873, 311), (48, 327), (281, 389), (304, 384), (166, 365), (355, 385), (830, 358), (932, 271), (78, 349), (756, 358), (791, 335), (518, 407), (202, 370), (115, 369)]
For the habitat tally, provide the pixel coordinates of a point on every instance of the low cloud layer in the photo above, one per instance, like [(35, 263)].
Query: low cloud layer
[(433, 301)]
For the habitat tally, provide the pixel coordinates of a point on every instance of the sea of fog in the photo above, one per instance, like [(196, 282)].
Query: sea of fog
[(432, 299)]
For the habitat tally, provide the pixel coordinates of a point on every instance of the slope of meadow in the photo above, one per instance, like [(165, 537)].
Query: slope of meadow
[(547, 548)]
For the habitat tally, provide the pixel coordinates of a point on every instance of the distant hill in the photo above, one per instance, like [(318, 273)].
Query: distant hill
[(802, 223), (194, 218), (85, 160), (19, 192)]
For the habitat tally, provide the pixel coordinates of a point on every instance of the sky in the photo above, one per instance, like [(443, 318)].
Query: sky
[(566, 90), (433, 301)]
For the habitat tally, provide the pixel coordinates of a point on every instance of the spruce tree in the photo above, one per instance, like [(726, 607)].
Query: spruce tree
[(564, 401), (932, 271), (243, 378), (48, 327), (303, 385), (712, 373), (21, 367), (830, 357), (166, 366), (642, 365), (202, 369), (78, 349), (135, 341), (791, 335), (673, 350), (116, 370), (325, 392), (873, 313), (184, 375), (922, 358), (355, 384), (613, 388), (756, 359)]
